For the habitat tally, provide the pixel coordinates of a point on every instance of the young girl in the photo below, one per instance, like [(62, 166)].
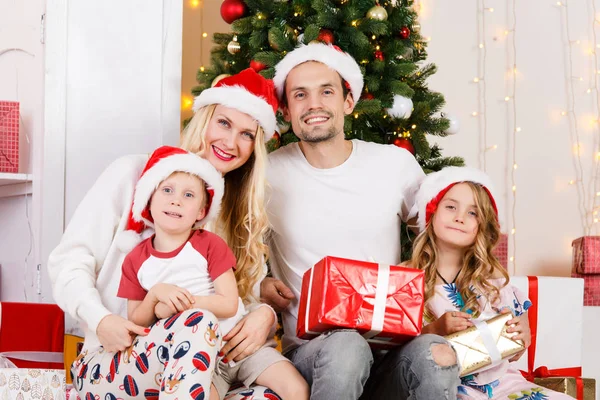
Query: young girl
[(458, 220)]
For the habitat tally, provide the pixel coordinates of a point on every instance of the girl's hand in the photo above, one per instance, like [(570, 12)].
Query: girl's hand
[(162, 310), (452, 322), (173, 296), (520, 325)]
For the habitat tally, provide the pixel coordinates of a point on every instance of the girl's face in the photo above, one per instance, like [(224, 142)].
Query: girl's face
[(455, 222), (229, 138)]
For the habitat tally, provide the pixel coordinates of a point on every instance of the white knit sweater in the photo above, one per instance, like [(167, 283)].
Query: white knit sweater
[(85, 268)]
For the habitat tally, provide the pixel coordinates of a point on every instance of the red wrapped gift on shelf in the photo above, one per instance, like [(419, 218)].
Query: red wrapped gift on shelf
[(501, 250), (586, 255), (32, 331), (9, 136), (384, 303)]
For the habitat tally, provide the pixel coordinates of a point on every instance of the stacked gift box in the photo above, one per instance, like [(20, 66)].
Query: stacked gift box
[(31, 349), (501, 250), (586, 265)]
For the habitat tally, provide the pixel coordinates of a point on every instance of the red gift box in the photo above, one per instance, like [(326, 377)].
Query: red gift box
[(586, 255), (501, 250), (591, 288), (32, 331), (341, 293), (9, 136)]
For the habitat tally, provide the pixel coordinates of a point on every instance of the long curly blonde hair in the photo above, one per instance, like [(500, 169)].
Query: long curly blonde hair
[(479, 263), (242, 222)]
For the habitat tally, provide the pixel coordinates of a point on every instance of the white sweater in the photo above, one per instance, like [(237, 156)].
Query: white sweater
[(85, 268)]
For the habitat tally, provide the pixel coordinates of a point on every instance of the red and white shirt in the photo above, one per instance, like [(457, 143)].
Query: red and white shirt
[(195, 265)]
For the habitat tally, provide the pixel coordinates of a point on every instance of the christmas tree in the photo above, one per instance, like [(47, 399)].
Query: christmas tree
[(396, 106)]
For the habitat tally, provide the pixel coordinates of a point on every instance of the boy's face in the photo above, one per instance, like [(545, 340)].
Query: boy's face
[(455, 221), (178, 202), (316, 106)]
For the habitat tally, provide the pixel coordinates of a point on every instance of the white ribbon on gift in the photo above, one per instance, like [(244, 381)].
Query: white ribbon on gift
[(37, 356), (381, 290), (488, 341)]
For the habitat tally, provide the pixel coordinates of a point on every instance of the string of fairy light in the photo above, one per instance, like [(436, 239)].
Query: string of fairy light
[(596, 141), (574, 129), (480, 81), (515, 129)]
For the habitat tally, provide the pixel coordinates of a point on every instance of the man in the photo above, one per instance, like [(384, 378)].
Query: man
[(332, 196)]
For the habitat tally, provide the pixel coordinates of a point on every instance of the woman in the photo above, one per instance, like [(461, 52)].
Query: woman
[(231, 124)]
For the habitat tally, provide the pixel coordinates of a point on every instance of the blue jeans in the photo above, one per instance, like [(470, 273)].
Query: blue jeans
[(337, 365)]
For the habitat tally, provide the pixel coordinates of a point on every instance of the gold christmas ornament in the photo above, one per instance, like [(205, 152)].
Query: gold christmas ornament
[(218, 78), (415, 27), (377, 13), (233, 47)]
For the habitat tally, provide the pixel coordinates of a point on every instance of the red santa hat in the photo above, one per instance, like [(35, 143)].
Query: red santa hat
[(248, 92), (435, 186), (332, 56), (162, 163)]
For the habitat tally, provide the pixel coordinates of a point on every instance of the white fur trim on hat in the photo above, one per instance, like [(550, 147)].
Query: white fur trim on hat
[(341, 62), (160, 171), (242, 100), (435, 182)]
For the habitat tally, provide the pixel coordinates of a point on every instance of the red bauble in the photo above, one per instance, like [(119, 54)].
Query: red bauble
[(405, 144), (232, 10), (404, 32), (326, 36), (257, 65), (368, 96), (379, 55)]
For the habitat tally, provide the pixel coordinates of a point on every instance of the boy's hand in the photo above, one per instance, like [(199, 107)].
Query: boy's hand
[(453, 321), (162, 311), (173, 296)]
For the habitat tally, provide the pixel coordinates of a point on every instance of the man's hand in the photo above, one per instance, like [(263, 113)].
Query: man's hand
[(116, 333), (173, 296), (249, 335), (274, 293)]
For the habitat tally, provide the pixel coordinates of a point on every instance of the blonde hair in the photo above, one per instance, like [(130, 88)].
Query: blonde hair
[(242, 222), (479, 263)]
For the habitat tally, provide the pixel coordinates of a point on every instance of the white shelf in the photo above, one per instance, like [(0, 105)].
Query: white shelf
[(14, 184)]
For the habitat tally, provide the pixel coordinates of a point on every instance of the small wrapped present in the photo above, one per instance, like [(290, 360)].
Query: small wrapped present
[(29, 383), (9, 136), (32, 335), (484, 345), (382, 302), (591, 289), (586, 255), (579, 388), (501, 250)]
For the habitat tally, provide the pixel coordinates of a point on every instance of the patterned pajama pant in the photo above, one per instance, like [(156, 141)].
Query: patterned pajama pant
[(174, 361)]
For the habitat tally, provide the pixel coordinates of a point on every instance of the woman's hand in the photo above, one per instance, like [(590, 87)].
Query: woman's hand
[(452, 322), (116, 333), (520, 325), (249, 335), (173, 296)]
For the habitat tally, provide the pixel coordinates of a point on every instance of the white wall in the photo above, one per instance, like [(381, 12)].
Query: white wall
[(22, 80), (547, 216), (106, 83)]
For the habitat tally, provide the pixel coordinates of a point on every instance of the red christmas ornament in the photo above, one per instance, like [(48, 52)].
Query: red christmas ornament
[(326, 36), (405, 144), (379, 55), (232, 10), (404, 32), (277, 139), (257, 65), (368, 96)]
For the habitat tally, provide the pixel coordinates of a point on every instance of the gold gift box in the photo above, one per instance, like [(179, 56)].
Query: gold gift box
[(471, 351), (568, 385)]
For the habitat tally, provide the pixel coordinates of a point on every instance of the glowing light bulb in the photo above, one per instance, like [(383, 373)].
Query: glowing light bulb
[(205, 35)]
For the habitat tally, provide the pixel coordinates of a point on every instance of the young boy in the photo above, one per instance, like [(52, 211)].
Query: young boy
[(182, 267)]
